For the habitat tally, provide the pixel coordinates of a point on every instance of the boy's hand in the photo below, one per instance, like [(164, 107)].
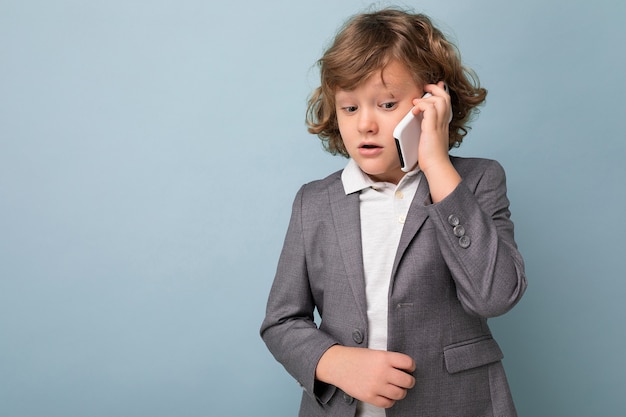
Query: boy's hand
[(376, 377), (434, 160), (434, 140)]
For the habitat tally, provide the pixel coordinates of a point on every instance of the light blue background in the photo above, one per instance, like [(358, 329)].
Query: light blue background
[(149, 154)]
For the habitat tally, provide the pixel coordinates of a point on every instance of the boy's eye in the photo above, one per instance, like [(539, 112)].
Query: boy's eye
[(389, 106)]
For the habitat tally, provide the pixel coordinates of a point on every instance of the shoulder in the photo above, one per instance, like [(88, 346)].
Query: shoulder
[(477, 169), (315, 200), (315, 189), (474, 164), (318, 193)]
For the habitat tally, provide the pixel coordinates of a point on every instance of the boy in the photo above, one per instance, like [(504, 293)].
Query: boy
[(403, 268)]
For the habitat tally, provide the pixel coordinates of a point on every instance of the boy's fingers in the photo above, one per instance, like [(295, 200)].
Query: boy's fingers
[(402, 361), (402, 380)]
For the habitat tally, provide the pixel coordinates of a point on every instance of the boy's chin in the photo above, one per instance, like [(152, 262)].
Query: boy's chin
[(392, 176)]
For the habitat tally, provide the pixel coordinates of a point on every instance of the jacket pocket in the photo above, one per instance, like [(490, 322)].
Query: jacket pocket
[(471, 354)]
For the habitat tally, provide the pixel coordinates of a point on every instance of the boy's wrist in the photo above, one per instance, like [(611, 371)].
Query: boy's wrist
[(442, 179), (326, 365)]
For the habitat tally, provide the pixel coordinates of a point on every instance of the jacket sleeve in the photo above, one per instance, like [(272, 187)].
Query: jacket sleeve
[(289, 330), (476, 239)]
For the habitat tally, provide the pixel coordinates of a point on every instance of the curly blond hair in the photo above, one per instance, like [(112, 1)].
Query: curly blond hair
[(366, 44)]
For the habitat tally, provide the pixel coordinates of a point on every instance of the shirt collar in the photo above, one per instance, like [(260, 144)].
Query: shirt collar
[(354, 179)]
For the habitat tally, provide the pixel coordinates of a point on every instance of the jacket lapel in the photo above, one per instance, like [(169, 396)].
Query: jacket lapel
[(415, 218), (347, 220)]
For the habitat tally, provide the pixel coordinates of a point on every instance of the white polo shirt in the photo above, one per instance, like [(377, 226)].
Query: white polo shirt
[(384, 207)]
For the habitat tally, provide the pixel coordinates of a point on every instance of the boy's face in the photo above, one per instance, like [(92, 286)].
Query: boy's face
[(368, 115)]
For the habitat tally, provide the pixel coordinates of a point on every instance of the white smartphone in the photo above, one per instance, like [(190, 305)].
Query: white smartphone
[(407, 136)]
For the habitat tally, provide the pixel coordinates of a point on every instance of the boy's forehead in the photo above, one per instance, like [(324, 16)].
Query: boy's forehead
[(392, 77)]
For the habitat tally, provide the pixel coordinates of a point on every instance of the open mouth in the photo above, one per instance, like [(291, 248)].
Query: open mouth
[(370, 149)]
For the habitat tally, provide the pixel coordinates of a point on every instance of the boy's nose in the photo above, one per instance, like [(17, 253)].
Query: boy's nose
[(367, 123)]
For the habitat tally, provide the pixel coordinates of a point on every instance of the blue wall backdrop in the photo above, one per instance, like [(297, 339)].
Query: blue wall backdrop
[(149, 155)]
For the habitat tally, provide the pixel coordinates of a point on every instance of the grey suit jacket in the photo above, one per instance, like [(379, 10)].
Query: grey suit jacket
[(457, 264)]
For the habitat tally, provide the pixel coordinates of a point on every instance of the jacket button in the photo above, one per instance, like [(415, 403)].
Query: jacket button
[(459, 230), (453, 220), (357, 336), (464, 242), (347, 399)]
